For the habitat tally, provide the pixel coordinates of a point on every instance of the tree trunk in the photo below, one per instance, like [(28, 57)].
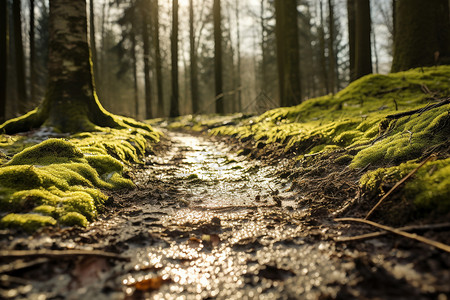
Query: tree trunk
[(32, 55), (158, 61), (323, 58), (20, 60), (363, 53), (238, 54), (422, 34), (92, 38), (3, 57), (331, 50), (220, 107), (134, 63), (174, 100), (263, 48), (71, 104), (194, 67), (146, 50), (351, 37)]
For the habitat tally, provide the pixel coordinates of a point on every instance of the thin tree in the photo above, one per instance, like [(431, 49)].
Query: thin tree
[(363, 53), (3, 57), (193, 57), (323, 57), (92, 38), (422, 34), (134, 67), (218, 81), (331, 50), (238, 58), (288, 52), (71, 103), (158, 60), (20, 60), (32, 54), (351, 37), (146, 57), (174, 99), (262, 23)]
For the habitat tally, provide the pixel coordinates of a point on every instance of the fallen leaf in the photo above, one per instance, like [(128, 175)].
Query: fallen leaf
[(150, 284)]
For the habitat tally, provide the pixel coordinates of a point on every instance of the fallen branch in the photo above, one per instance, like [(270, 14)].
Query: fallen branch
[(59, 254), (20, 265), (381, 233), (443, 101), (398, 184), (412, 236)]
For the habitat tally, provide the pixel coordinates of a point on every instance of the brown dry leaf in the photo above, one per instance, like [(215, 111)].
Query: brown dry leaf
[(212, 240), (151, 284), (194, 242)]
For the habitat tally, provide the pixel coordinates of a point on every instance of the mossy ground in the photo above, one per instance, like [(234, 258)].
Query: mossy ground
[(60, 180), (354, 123)]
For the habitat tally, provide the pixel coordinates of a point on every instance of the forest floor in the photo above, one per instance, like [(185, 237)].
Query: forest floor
[(205, 222)]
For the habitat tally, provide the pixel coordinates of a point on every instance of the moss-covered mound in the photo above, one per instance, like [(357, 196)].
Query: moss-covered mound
[(59, 181), (365, 124)]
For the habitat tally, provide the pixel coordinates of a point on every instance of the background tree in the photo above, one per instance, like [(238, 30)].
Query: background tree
[(351, 15), (288, 52), (145, 12), (422, 34), (3, 57), (19, 55), (32, 53), (363, 52), (174, 99), (219, 99), (158, 61), (193, 56)]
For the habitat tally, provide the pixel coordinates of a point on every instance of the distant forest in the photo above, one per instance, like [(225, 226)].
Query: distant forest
[(155, 58)]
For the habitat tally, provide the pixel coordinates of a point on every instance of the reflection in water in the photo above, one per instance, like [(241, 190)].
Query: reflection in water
[(262, 253)]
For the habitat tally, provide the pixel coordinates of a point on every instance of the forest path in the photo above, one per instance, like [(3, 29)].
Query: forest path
[(206, 223)]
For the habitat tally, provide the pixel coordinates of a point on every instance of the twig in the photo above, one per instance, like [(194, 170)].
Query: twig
[(398, 184), (412, 236), (59, 254), (15, 266), (381, 233), (420, 110)]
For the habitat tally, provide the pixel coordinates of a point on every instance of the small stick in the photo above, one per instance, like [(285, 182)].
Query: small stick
[(381, 233), (412, 236), (59, 254), (15, 266), (398, 184)]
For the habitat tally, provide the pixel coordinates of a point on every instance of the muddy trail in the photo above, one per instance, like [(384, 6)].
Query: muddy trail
[(205, 223)]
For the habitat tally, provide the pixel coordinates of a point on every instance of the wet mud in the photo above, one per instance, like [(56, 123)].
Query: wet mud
[(205, 223)]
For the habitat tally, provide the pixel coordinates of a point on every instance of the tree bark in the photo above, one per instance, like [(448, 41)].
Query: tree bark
[(220, 107), (363, 24), (238, 55), (92, 38), (134, 63), (20, 60), (32, 54), (323, 58), (146, 50), (194, 67), (351, 37), (263, 48), (422, 34), (3, 57), (158, 60), (71, 104), (331, 50), (174, 100)]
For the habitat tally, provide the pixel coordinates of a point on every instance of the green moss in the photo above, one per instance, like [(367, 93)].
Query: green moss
[(47, 152), (73, 219), (46, 210), (29, 222), (428, 190)]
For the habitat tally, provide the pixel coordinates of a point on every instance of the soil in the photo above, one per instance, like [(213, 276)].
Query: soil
[(206, 223)]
